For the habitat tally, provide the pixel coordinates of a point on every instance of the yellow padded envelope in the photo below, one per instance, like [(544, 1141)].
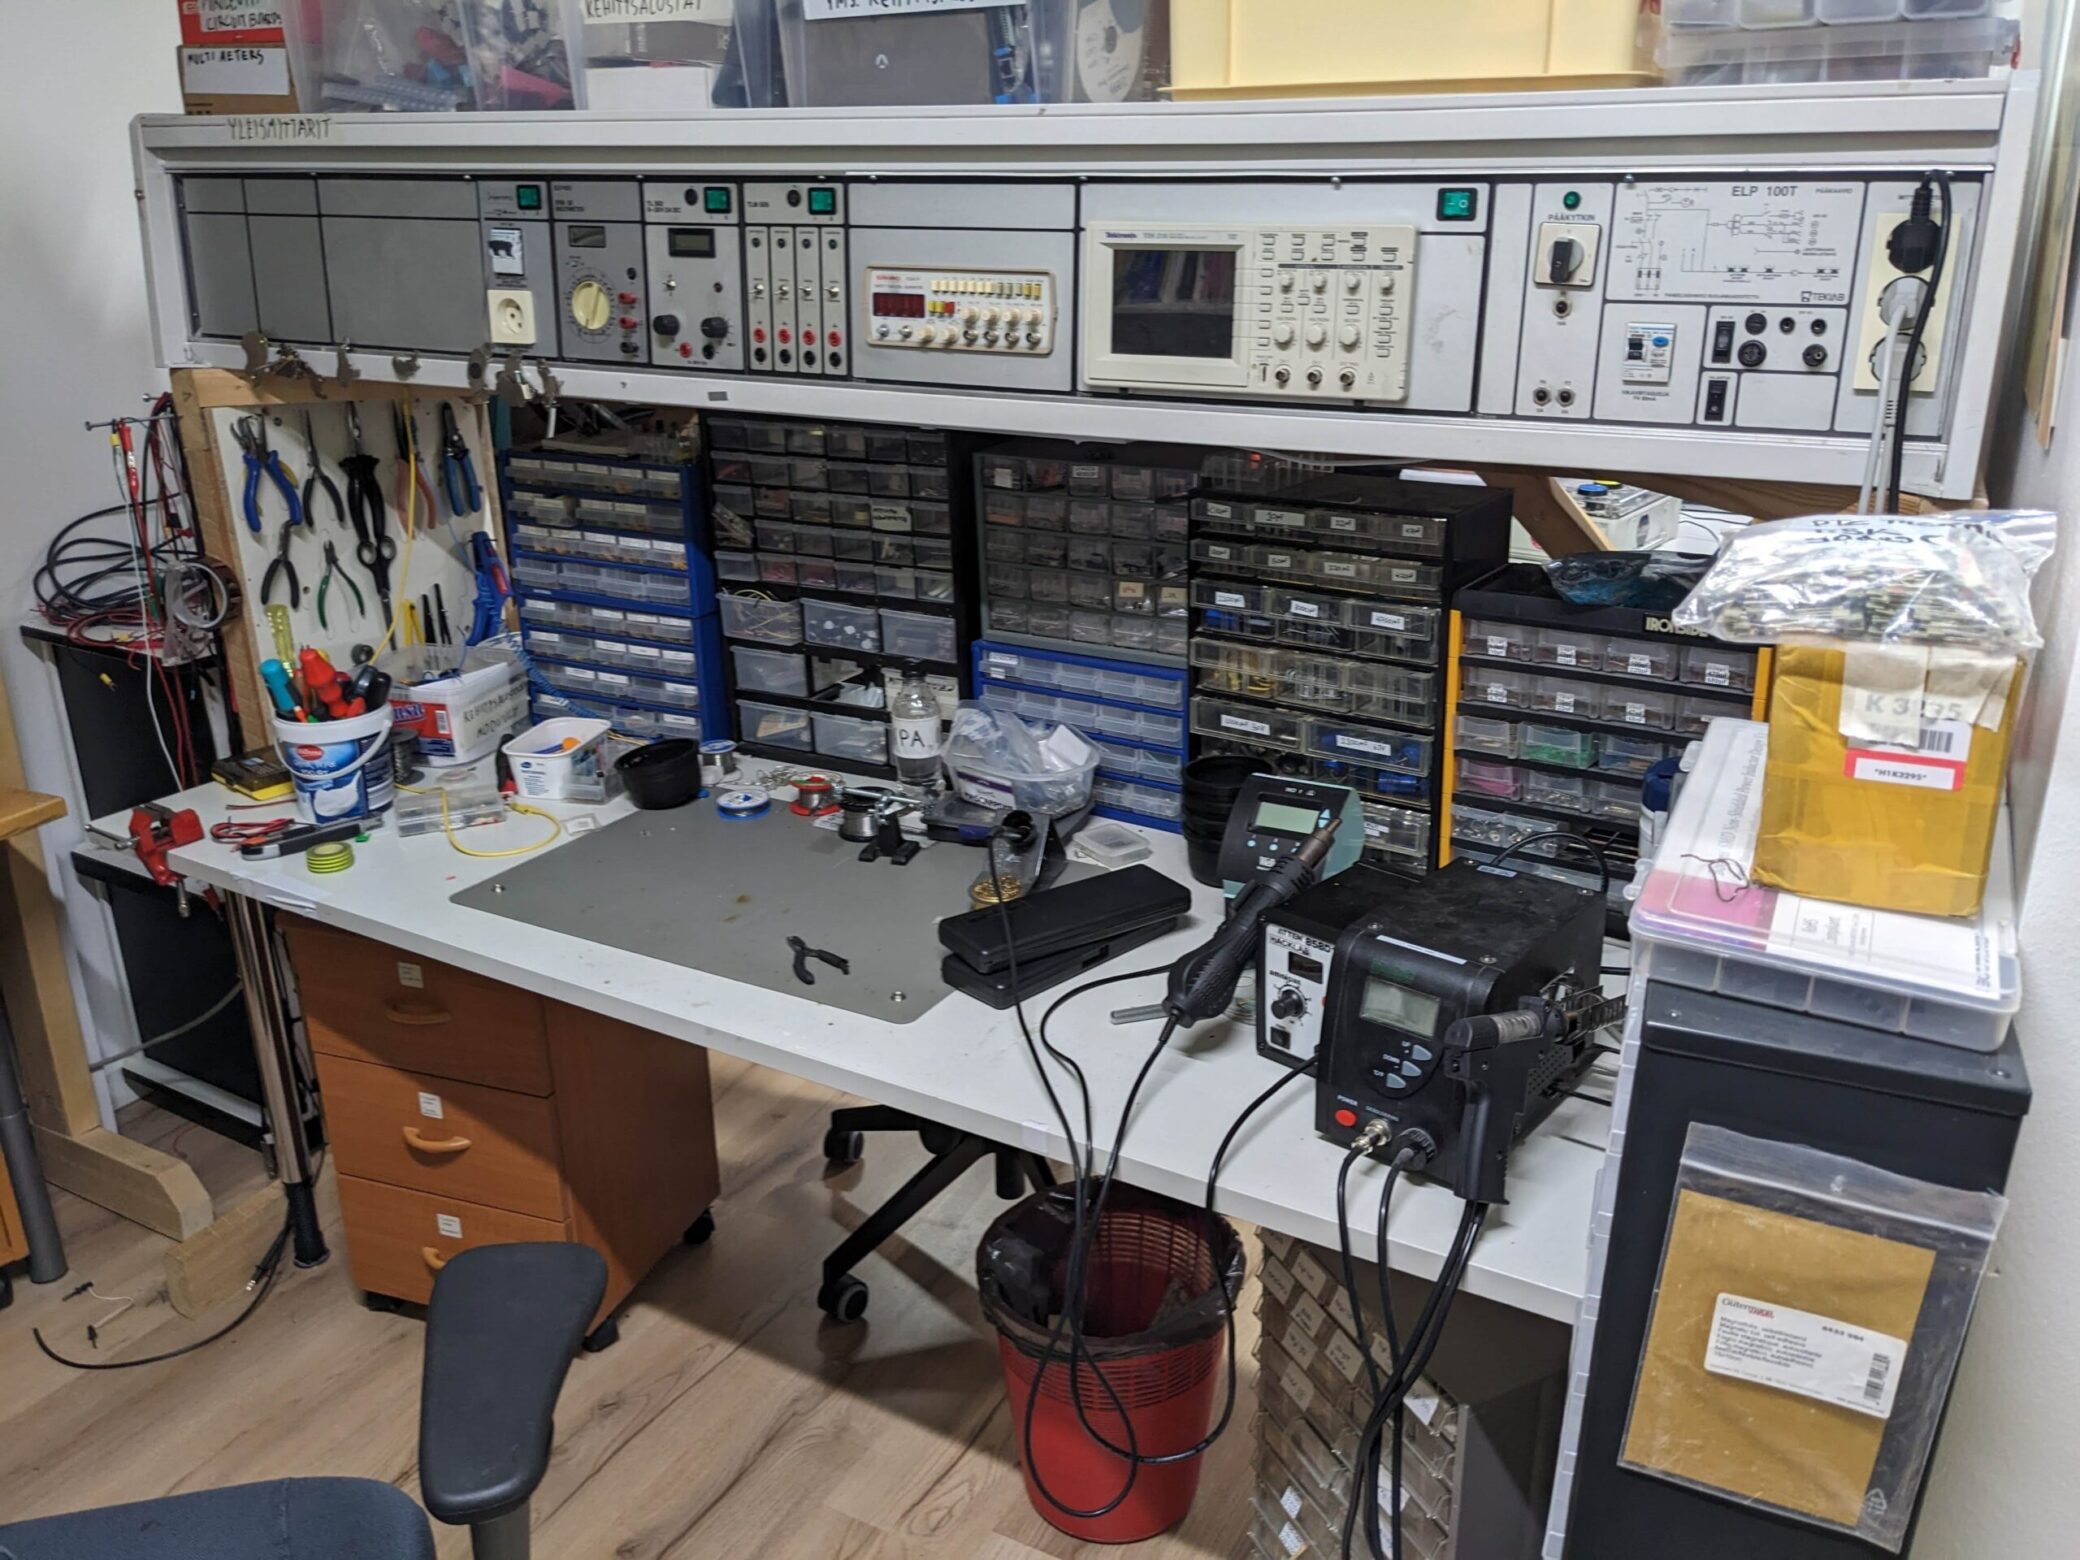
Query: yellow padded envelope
[(1754, 1441)]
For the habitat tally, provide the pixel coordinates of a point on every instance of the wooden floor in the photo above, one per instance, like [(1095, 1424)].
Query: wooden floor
[(731, 1420)]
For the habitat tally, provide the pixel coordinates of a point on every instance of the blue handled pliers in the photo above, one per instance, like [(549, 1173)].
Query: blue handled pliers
[(251, 433), (458, 470)]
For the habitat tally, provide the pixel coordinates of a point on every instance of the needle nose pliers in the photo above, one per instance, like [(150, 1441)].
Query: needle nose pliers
[(319, 481), (251, 433), (282, 564), (334, 572)]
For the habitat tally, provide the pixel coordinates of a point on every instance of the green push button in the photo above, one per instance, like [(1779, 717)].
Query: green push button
[(528, 197), (823, 203), (1457, 205), (715, 201)]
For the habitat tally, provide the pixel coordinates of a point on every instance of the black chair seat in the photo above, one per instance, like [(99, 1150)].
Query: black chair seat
[(283, 1519)]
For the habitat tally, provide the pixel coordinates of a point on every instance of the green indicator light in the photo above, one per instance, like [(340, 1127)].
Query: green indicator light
[(1571, 199)]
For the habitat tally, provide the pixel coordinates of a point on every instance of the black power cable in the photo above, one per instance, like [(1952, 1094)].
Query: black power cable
[(1918, 216), (1565, 836)]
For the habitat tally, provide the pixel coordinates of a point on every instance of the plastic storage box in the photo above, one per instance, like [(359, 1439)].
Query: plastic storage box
[(1698, 923)]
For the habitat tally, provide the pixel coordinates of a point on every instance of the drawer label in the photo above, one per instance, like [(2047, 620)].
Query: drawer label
[(1640, 665), (448, 1225), (1278, 1280), (1309, 1317), (1238, 723), (1228, 598), (1345, 1356), (1394, 622), (430, 1106), (1718, 675), (1313, 1277), (1564, 654), (1636, 714), (1303, 609), (411, 975)]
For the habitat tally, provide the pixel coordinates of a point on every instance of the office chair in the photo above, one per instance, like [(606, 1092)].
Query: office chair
[(843, 1297), (501, 1330)]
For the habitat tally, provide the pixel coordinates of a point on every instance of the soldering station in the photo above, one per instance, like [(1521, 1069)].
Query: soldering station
[(1376, 663)]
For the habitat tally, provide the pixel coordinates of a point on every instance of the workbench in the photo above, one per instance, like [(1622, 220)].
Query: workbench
[(962, 1064)]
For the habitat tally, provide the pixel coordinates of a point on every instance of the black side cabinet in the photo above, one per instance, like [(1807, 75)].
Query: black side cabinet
[(1910, 1106)]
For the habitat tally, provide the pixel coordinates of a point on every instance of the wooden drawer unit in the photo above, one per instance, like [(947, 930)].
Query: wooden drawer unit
[(374, 1004), (398, 1239), (435, 1135), (455, 1103)]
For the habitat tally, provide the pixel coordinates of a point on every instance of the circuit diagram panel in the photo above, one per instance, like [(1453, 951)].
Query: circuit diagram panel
[(1773, 242)]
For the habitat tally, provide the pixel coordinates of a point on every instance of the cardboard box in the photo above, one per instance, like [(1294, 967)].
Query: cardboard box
[(215, 23), (1893, 826), (236, 79)]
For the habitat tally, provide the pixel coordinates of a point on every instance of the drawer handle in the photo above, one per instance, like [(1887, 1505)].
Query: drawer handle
[(433, 1258), (453, 1145), (416, 1013)]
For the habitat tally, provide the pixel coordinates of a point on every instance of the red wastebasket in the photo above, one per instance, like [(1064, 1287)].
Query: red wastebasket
[(1154, 1322)]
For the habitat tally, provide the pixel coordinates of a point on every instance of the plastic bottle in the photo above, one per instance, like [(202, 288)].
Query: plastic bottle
[(914, 715)]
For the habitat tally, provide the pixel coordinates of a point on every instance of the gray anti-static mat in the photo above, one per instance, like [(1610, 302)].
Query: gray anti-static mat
[(699, 890)]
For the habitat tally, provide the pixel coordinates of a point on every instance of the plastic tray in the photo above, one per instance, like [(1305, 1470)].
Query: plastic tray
[(772, 726), (849, 737), (1957, 981)]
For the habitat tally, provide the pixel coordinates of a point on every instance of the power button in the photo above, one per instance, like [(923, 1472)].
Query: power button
[(1346, 1117)]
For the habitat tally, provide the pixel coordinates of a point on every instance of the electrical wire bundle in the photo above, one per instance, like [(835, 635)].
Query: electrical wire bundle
[(1921, 243)]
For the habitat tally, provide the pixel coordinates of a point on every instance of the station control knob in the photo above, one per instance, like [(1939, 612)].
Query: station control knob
[(714, 327), (1352, 281), (1317, 333), (989, 316), (1282, 334), (926, 336), (970, 315), (1347, 338), (666, 324), (1285, 281), (1319, 282), (1288, 1004), (1386, 282)]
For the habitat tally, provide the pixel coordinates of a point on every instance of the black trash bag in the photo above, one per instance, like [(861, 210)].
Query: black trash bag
[(1650, 581), (1151, 1277)]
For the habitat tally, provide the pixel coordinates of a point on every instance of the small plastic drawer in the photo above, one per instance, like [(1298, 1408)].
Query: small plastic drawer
[(1391, 692), (810, 508), (1561, 745), (727, 433), (1090, 553), (1088, 626), (838, 626), (756, 618), (813, 541), (1133, 632), (1281, 562), (1478, 734), (888, 444), (1009, 617), (1147, 800), (845, 443), (1047, 549), (1693, 715), (661, 690), (1619, 754), (1374, 746), (805, 438), (1089, 517), (1614, 799), (1144, 726), (765, 438), (1501, 641), (1004, 509), (1307, 607), (1134, 763), (1003, 547), (897, 550), (1566, 648), (931, 482), (1047, 511), (1004, 579), (1388, 628), (849, 737), (853, 577), (1093, 591), (1163, 693), (1133, 522), (933, 554), (1482, 777), (1171, 637), (888, 481), (1225, 513), (1424, 536), (898, 584), (1560, 695), (775, 536), (1396, 831), (1495, 685), (778, 569), (1249, 723), (1641, 707), (1719, 666), (647, 625), (1088, 477), (1640, 658), (770, 473), (1478, 826), (848, 476), (1051, 585), (1228, 596), (851, 512), (770, 725), (934, 585), (1001, 473), (1214, 553), (854, 546), (917, 636), (1170, 522), (1048, 621), (1569, 793)]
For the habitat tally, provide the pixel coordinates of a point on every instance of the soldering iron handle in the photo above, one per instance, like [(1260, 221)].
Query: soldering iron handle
[(1203, 982)]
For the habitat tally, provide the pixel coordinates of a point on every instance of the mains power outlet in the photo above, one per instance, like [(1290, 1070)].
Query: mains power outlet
[(1883, 274), (512, 317)]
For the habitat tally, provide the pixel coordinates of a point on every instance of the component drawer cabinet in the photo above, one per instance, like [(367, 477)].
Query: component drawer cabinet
[(464, 1112)]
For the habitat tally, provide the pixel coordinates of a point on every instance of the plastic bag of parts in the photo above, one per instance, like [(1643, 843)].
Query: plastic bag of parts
[(1957, 579), (1650, 581), (519, 58), (647, 56), (997, 760), (1149, 1277), (1806, 1327), (378, 56)]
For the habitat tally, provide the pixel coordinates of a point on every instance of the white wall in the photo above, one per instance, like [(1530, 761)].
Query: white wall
[(78, 349)]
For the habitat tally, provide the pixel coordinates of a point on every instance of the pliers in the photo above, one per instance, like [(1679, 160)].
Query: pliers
[(803, 953), (410, 472), (334, 571), (318, 481), (373, 543), (458, 469), (251, 433), (283, 564)]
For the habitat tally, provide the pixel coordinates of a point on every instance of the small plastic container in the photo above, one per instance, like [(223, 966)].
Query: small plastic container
[(1048, 621), (1046, 549), (854, 578), (1561, 745), (1134, 522), (772, 471), (1001, 473), (756, 618), (1147, 801), (852, 546), (1476, 733), (1481, 777), (918, 636), (1641, 658), (1374, 746), (778, 569), (848, 476), (1761, 14), (1228, 596), (1089, 553), (1566, 696), (1640, 707), (1628, 755), (1693, 715), (1719, 666), (1615, 799), (1495, 685), (895, 550), (1007, 616), (1085, 478), (772, 503), (899, 584), (1047, 511), (1249, 723), (849, 738), (810, 508), (770, 671), (1397, 832), (1004, 579), (1501, 641), (1565, 792), (1564, 648), (839, 626), (1390, 692), (1088, 516), (770, 725), (1090, 627)]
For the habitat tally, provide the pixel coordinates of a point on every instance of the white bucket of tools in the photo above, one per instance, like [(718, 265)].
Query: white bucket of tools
[(341, 768)]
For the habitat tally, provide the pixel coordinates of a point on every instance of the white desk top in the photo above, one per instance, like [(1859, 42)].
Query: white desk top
[(964, 1064)]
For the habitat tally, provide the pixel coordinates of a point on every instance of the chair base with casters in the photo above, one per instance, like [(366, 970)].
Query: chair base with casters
[(843, 1297), (501, 1331)]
